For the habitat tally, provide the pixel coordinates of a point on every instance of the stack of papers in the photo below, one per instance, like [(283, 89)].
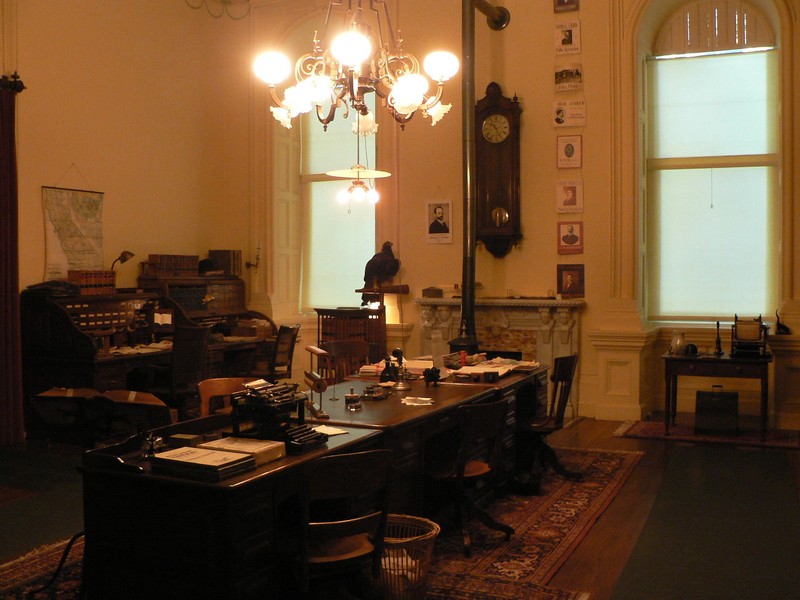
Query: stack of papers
[(263, 451), (417, 401)]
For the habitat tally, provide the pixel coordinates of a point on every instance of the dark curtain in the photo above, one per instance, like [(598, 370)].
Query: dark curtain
[(12, 426)]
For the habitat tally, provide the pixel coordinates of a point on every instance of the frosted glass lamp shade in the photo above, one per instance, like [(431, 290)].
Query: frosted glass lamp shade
[(441, 65), (272, 67), (351, 48)]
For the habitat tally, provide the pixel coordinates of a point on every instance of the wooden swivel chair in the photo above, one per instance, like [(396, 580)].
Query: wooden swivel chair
[(219, 389), (177, 383), (534, 455), (470, 461), (278, 363), (345, 506)]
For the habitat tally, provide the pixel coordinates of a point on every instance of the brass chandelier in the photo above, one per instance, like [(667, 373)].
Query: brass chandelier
[(363, 55)]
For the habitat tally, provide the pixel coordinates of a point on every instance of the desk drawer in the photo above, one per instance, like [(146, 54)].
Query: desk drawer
[(717, 369)]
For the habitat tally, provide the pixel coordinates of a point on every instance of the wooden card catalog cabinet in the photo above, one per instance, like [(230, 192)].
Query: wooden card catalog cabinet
[(202, 298)]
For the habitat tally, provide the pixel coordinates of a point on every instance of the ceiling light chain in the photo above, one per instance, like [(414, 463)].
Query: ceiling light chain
[(224, 9)]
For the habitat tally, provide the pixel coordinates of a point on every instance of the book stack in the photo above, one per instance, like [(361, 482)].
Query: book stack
[(262, 451), (93, 283), (203, 464), (171, 265)]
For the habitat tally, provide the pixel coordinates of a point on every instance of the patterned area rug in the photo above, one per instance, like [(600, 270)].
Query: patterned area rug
[(548, 528), (25, 577), (654, 430)]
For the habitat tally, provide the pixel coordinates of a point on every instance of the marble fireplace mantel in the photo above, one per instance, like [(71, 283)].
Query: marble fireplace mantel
[(538, 328)]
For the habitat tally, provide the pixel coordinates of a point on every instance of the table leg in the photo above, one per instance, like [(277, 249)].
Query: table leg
[(667, 400), (764, 401)]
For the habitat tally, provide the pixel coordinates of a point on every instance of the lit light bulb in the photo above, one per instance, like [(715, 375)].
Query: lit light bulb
[(316, 89), (343, 196), (272, 67), (373, 196), (351, 48), (441, 65), (296, 100), (408, 93), (357, 191)]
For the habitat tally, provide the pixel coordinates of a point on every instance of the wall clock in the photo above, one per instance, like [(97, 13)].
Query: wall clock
[(497, 168)]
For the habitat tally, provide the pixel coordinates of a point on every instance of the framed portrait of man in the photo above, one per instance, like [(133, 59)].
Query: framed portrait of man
[(437, 221), (570, 281), (570, 237)]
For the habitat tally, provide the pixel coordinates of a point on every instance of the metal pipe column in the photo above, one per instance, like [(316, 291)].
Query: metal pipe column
[(497, 18)]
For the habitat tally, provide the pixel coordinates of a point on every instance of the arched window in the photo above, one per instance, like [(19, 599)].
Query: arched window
[(713, 164)]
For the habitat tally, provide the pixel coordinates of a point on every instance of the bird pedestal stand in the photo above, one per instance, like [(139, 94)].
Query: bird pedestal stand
[(376, 294)]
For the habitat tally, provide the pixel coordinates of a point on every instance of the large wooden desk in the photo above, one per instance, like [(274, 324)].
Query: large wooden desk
[(175, 538), (167, 537), (65, 342), (755, 367), (407, 429)]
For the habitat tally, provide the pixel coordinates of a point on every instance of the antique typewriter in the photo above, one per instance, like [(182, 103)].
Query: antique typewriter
[(264, 411)]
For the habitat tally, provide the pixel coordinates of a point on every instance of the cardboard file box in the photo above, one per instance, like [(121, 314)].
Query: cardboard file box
[(717, 412)]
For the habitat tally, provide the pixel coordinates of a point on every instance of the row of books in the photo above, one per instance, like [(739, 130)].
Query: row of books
[(218, 459), (93, 283)]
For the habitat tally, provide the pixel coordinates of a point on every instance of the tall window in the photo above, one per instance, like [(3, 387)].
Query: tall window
[(712, 185), (339, 239)]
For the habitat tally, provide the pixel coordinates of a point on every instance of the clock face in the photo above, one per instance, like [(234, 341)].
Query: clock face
[(495, 128)]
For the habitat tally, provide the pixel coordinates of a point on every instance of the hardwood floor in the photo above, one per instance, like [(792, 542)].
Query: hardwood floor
[(599, 560)]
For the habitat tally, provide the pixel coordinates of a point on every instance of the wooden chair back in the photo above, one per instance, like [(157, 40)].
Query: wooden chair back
[(478, 445), (345, 507), (219, 388), (280, 364), (564, 368), (189, 349)]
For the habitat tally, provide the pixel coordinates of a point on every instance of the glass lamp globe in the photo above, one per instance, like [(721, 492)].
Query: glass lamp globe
[(357, 191), (373, 196), (272, 67), (441, 65), (408, 93), (318, 89), (351, 48)]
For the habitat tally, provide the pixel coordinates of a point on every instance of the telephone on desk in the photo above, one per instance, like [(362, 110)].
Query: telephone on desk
[(269, 406)]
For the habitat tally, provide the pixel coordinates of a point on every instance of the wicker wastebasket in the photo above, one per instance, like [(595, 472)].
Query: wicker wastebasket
[(407, 554)]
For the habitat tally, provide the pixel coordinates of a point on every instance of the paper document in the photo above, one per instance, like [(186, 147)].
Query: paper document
[(328, 430)]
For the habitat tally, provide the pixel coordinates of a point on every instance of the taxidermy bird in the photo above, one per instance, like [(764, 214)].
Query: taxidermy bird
[(379, 270)]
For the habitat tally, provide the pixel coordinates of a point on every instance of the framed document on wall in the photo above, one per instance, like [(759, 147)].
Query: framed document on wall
[(569, 151)]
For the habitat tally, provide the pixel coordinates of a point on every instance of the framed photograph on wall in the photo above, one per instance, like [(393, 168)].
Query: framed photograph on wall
[(570, 281), (569, 196), (568, 37), (438, 224), (560, 6), (569, 151), (570, 237)]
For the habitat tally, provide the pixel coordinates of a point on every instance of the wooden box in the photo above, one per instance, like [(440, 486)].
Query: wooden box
[(717, 412)]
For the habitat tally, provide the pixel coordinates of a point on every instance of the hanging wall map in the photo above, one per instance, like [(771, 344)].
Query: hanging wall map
[(73, 224)]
